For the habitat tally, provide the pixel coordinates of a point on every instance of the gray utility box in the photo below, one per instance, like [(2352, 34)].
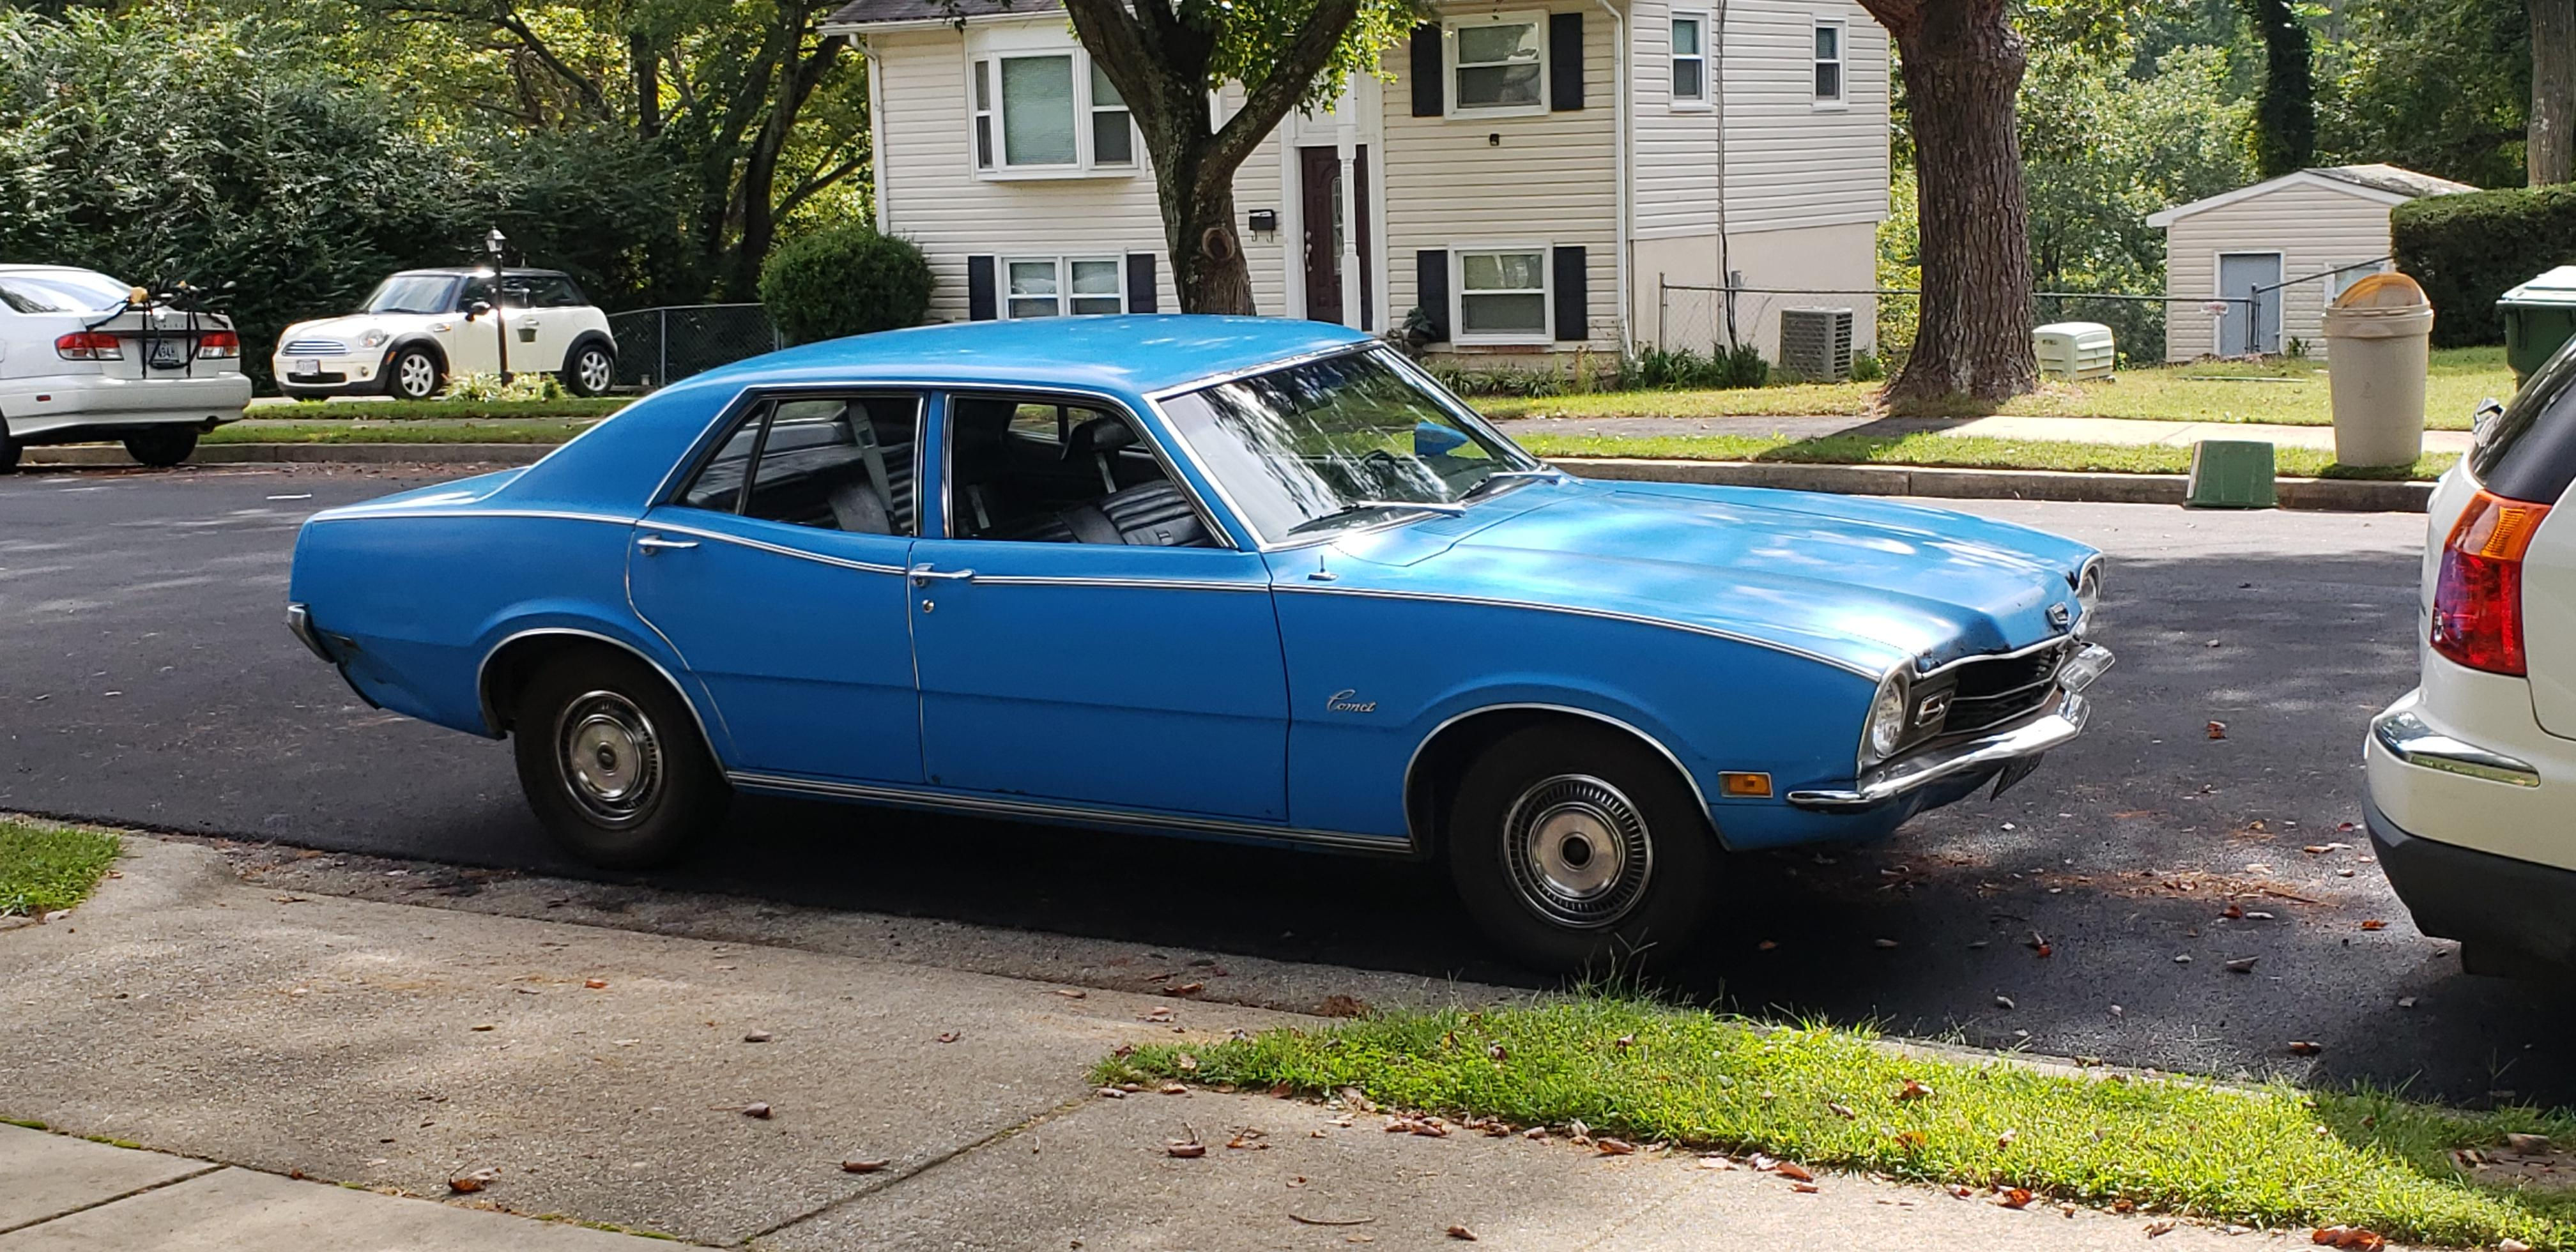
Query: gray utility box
[(1816, 344)]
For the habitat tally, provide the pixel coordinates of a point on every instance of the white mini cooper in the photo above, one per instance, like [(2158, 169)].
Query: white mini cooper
[(423, 327)]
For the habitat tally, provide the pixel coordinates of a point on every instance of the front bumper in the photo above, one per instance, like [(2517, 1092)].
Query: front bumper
[(360, 375), (2508, 914), (1906, 775)]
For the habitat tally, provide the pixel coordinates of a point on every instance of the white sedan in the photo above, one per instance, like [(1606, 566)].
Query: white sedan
[(422, 327), (84, 357)]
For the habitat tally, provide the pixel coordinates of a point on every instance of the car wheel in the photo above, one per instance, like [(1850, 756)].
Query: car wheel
[(590, 372), (8, 452), (413, 375), (162, 446), (1579, 850), (612, 763)]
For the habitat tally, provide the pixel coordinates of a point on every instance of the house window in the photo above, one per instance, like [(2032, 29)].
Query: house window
[(1690, 59), (1055, 286), (1502, 295), (1829, 62), (1498, 64), (1048, 113), (2342, 280)]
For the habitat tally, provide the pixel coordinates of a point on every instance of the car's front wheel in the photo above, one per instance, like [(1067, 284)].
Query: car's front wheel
[(413, 375), (591, 371), (612, 761), (162, 446), (1578, 849)]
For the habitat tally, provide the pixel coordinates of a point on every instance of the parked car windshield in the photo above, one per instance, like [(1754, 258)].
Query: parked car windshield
[(61, 291), (413, 293), (1340, 442)]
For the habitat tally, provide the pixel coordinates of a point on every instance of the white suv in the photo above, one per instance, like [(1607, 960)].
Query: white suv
[(2472, 773), (84, 357), (423, 327)]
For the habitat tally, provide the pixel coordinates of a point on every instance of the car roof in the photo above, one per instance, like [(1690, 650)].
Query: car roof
[(462, 271), (1132, 353), (50, 269)]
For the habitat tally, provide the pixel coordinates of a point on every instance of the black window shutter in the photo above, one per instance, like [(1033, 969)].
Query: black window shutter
[(980, 305), (1564, 62), (1573, 305), (1430, 94), (1431, 289), (1140, 282)]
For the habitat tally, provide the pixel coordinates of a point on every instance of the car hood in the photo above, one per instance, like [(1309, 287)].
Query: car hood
[(347, 329), (1861, 582)]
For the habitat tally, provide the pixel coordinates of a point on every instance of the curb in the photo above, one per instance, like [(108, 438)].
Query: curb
[(2350, 495), (309, 454)]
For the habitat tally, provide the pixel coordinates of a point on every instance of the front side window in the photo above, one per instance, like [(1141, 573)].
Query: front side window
[(1829, 62), (413, 293), (1033, 470), (1502, 295), (1056, 286), (829, 462), (1690, 59), (1346, 441), (1047, 112), (1499, 64)]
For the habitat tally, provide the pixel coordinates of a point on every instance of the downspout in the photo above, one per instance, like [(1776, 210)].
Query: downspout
[(876, 132), (1725, 276), (1619, 162)]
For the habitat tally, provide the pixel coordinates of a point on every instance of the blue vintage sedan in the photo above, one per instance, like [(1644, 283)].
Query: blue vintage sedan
[(1246, 578)]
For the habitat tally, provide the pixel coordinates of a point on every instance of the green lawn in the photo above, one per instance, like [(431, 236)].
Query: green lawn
[(2291, 393), (43, 867), (440, 410), (1950, 451), (2273, 1155), (554, 430)]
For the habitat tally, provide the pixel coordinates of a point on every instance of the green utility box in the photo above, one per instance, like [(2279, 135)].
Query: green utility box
[(2539, 316), (2230, 474)]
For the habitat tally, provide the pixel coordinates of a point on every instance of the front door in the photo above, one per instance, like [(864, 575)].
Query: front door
[(1328, 211), (1081, 636), (2249, 281), (777, 573)]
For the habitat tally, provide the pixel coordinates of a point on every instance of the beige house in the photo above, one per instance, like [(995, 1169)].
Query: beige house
[(1529, 173), (2281, 251)]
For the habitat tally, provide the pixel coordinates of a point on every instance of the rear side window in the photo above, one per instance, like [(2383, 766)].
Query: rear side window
[(832, 463), (2529, 452)]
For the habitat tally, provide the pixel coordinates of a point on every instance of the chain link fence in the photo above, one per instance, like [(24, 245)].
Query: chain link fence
[(659, 346)]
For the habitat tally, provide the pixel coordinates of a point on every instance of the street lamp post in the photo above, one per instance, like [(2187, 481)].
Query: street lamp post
[(494, 243)]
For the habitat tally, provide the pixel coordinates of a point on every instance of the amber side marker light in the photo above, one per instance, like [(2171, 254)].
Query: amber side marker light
[(1745, 786)]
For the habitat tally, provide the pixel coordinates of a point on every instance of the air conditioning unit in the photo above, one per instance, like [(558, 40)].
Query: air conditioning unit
[(1816, 344)]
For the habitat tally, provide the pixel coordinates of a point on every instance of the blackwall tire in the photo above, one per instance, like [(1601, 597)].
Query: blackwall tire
[(591, 371), (162, 447), (612, 763)]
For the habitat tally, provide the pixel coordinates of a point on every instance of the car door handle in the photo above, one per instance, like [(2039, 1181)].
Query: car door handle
[(655, 543), (923, 575)]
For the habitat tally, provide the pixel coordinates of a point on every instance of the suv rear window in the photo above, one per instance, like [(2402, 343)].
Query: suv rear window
[(2530, 451)]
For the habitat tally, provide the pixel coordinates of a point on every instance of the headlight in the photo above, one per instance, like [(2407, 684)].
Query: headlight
[(373, 339), (1886, 728), (2088, 597)]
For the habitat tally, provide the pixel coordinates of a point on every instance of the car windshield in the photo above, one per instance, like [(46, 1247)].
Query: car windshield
[(1344, 441), (61, 291), (413, 293)]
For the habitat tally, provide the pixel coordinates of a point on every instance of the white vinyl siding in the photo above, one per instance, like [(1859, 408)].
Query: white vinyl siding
[(2314, 228), (1676, 173), (1792, 160)]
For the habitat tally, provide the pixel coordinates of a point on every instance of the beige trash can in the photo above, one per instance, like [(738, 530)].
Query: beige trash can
[(2378, 347)]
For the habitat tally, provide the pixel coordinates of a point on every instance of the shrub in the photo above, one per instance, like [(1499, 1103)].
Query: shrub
[(522, 386), (2468, 249), (1867, 368), (1680, 368), (849, 280)]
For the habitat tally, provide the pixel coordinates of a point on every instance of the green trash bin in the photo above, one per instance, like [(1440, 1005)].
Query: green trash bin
[(2539, 316)]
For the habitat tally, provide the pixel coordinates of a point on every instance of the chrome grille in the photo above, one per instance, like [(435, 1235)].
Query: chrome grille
[(313, 347), (1994, 690)]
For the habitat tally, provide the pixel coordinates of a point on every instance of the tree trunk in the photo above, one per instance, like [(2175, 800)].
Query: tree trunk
[(644, 64), (1963, 65), (2550, 144), (1208, 267), (2285, 109)]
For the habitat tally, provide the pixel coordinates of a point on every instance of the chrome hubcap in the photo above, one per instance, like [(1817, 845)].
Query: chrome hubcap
[(612, 761), (594, 370), (1578, 851), (418, 377)]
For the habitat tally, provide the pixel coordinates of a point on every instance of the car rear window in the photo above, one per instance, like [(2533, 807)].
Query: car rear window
[(2529, 452)]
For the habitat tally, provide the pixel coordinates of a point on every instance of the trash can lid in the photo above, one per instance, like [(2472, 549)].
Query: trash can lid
[(2391, 292), (2553, 287)]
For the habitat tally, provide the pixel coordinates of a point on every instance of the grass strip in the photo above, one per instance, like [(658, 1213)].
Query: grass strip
[(1954, 452), (440, 410), (44, 867), (2271, 1156), (475, 431)]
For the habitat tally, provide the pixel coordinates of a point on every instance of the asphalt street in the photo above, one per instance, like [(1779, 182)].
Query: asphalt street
[(146, 679)]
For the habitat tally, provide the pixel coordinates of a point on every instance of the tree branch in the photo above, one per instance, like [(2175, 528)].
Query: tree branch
[(1287, 83)]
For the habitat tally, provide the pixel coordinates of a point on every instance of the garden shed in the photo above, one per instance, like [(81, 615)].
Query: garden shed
[(2283, 249)]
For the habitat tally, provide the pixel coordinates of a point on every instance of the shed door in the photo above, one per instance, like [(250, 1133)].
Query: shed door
[(2248, 280)]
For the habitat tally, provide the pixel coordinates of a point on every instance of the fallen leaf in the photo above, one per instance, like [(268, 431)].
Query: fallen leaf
[(1913, 1090), (2005, 1140), (2218, 730), (2302, 1047), (2160, 1226), (1158, 1013), (1462, 1234), (2004, 1002), (1173, 1088), (2374, 924), (1185, 989), (1071, 993), (1793, 1170), (2233, 911), (1111, 1093), (1248, 1139), (595, 984), (1766, 945), (1608, 1146), (757, 1036), (1805, 1188), (1912, 1140), (2362, 1238), (1841, 1111), (1185, 1149), (2242, 965), (1715, 1162), (1186, 1062), (756, 1109), (1339, 1005), (2405, 1002), (2512, 1245), (2014, 1198), (1882, 943), (1497, 1052), (480, 1026), (857, 1165), (468, 1184)]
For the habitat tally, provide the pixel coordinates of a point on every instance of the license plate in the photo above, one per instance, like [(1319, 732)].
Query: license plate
[(169, 354), (2014, 771), (308, 367)]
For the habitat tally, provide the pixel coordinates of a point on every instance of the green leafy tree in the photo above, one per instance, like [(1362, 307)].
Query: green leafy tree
[(2441, 86), (2285, 109), (849, 280)]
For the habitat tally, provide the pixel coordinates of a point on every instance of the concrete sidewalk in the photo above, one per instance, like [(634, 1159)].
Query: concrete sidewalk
[(2129, 432), (712, 1092)]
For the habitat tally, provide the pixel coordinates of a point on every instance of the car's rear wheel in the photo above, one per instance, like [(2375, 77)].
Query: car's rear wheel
[(8, 451), (1578, 849), (612, 762), (591, 371), (413, 375), (162, 446)]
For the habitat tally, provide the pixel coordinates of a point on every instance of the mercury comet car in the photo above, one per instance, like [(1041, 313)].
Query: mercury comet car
[(1241, 578)]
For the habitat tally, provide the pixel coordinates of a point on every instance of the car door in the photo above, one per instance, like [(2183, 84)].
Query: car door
[(1134, 664), (546, 326), (777, 572), (473, 346)]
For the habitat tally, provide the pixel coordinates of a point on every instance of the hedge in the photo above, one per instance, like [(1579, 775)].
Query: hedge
[(2471, 248), (845, 281)]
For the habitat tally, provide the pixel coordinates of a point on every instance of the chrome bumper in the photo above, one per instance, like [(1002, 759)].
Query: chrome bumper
[(1897, 777), (299, 622), (2410, 739)]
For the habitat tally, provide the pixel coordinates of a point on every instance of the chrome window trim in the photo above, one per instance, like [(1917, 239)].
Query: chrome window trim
[(1206, 381), (1421, 838), (711, 439), (558, 515), (1578, 611), (1106, 403), (1112, 580), (868, 567), (2405, 735), (483, 688), (965, 802)]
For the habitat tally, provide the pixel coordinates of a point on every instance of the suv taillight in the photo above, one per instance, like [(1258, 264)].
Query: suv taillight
[(218, 344), (2477, 596), (88, 345)]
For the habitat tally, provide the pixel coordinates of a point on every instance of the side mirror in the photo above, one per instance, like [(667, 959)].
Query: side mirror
[(1434, 439), (2482, 421), (480, 308)]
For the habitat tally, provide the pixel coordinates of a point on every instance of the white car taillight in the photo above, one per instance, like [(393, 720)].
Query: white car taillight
[(89, 345), (218, 345)]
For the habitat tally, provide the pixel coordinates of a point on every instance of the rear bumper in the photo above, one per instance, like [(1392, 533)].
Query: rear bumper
[(37, 407), (2514, 913)]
